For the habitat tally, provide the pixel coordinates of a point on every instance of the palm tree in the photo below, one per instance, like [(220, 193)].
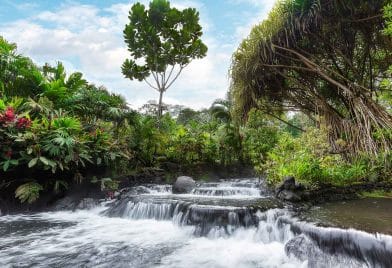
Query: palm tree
[(220, 110), (230, 137), (18, 74)]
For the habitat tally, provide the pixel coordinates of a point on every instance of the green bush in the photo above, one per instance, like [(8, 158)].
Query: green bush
[(259, 137), (56, 127), (309, 160)]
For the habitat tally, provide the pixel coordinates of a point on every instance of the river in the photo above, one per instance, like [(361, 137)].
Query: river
[(231, 223)]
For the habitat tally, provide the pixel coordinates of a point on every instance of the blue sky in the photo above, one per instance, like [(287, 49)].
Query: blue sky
[(87, 36)]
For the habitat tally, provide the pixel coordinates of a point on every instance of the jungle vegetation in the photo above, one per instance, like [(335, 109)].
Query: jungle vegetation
[(330, 61), (57, 129), (326, 59), (311, 96)]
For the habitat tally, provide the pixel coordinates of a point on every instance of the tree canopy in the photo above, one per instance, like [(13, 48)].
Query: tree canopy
[(326, 59), (162, 41)]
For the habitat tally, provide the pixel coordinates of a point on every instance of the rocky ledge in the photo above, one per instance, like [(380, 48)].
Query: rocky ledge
[(291, 191)]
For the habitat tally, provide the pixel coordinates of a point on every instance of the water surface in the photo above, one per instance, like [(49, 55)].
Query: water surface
[(373, 215)]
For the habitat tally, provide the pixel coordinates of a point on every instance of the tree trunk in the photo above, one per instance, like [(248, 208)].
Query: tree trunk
[(160, 108)]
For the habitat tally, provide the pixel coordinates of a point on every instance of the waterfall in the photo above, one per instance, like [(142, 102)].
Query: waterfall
[(230, 223)]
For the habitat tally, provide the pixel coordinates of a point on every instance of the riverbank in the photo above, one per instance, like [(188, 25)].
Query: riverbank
[(293, 192)]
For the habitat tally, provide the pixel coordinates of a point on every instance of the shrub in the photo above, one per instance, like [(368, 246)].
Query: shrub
[(310, 161)]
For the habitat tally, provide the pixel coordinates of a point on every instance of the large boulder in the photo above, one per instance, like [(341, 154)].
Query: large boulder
[(289, 190), (183, 185), (287, 184)]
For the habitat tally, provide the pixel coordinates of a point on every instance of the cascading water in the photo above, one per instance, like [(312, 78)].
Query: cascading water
[(225, 224)]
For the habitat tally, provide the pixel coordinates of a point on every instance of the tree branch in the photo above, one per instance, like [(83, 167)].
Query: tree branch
[(148, 83), (155, 75), (175, 78), (168, 77), (284, 121)]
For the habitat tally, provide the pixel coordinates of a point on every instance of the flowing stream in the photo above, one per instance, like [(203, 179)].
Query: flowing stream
[(232, 223)]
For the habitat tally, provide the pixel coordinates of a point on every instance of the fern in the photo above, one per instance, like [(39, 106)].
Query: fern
[(28, 192)]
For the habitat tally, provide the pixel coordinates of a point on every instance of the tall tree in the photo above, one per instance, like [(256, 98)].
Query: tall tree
[(162, 41), (325, 59)]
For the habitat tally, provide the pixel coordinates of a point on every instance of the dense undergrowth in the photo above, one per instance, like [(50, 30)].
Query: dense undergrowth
[(58, 129), (309, 159)]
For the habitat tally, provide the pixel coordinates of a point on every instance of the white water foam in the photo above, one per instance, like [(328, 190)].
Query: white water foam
[(149, 230), (85, 238)]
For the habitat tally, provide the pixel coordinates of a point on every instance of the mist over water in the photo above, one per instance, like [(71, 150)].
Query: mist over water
[(210, 227)]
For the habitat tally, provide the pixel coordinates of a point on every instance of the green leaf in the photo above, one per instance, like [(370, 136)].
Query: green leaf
[(6, 165), (94, 179), (44, 160), (60, 184), (28, 192), (32, 162), (2, 105)]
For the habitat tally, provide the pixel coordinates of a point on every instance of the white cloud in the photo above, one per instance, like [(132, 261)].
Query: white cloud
[(89, 39), (260, 13), (25, 6), (254, 3)]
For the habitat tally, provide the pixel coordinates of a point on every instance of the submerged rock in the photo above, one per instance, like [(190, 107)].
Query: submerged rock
[(183, 184), (73, 203), (335, 247), (87, 203), (304, 249), (66, 203), (301, 247)]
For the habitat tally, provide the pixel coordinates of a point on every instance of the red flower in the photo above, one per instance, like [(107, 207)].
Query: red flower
[(23, 123), (9, 115), (8, 154)]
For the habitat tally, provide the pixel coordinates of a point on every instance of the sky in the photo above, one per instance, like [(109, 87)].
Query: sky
[(87, 37)]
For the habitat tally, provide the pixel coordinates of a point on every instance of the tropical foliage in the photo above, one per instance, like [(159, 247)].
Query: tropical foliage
[(59, 129), (323, 68), (310, 97), (309, 158), (325, 59), (54, 127)]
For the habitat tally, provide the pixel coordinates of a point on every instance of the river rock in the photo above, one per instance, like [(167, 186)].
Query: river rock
[(183, 184), (289, 190), (288, 195), (304, 249), (87, 203), (66, 203), (287, 184)]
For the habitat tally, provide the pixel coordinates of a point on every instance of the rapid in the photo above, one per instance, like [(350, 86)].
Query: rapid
[(230, 223)]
